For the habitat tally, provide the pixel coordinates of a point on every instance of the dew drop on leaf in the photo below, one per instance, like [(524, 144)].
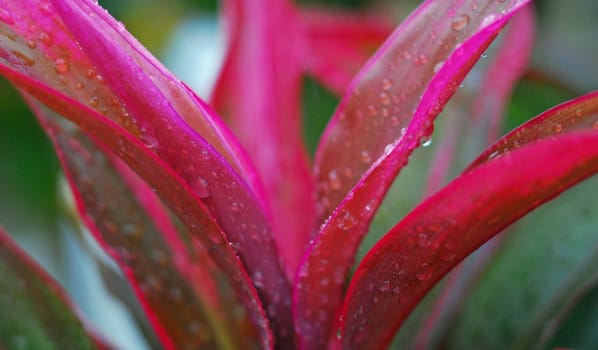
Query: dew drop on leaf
[(335, 182), (424, 273), (6, 16), (61, 66), (45, 38), (460, 23), (200, 186)]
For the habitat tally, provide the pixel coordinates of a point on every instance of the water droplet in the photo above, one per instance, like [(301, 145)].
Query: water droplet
[(484, 55), (425, 141), (460, 23), (595, 126), (150, 141), (45, 38), (579, 112), (424, 273), (200, 186), (61, 66), (438, 66), (558, 128), (24, 58), (385, 286), (258, 280), (365, 157), (384, 99), (386, 84), (335, 182), (6, 16), (31, 44), (91, 73), (488, 20), (94, 101)]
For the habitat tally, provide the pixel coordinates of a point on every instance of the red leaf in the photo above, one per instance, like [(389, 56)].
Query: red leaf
[(449, 225), (577, 114), (31, 288), (152, 117), (158, 266), (171, 188), (356, 138), (259, 94)]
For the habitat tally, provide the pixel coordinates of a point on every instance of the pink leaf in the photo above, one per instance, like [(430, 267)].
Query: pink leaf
[(449, 225), (258, 93), (581, 113), (490, 100), (365, 134), (158, 266), (171, 188), (152, 114), (28, 287)]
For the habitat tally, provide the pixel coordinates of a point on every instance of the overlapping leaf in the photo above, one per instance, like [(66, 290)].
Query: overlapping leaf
[(391, 107), (168, 185), (258, 92), (150, 115), (157, 264), (36, 312), (455, 221)]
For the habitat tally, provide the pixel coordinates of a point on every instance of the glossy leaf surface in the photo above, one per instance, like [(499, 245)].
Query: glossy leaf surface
[(449, 225), (168, 185), (157, 265), (319, 289), (152, 117)]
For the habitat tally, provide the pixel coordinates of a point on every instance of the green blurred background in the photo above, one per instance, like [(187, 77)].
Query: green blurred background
[(564, 65)]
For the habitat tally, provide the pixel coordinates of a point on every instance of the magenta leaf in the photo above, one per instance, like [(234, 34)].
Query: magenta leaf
[(258, 93), (173, 190), (474, 207), (35, 309), (371, 129), (152, 117), (578, 114), (398, 82), (158, 266), (484, 122)]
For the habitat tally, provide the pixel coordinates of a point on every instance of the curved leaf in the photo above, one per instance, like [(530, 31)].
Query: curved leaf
[(450, 225), (157, 265), (398, 86), (577, 114), (319, 286), (258, 93), (542, 265), (168, 184), (36, 313), (152, 117)]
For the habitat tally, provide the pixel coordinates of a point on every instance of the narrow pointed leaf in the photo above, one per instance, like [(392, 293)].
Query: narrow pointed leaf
[(36, 311), (171, 188), (450, 225), (38, 43), (398, 87), (151, 117), (330, 257), (259, 94), (157, 265), (544, 261), (482, 126), (578, 114)]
